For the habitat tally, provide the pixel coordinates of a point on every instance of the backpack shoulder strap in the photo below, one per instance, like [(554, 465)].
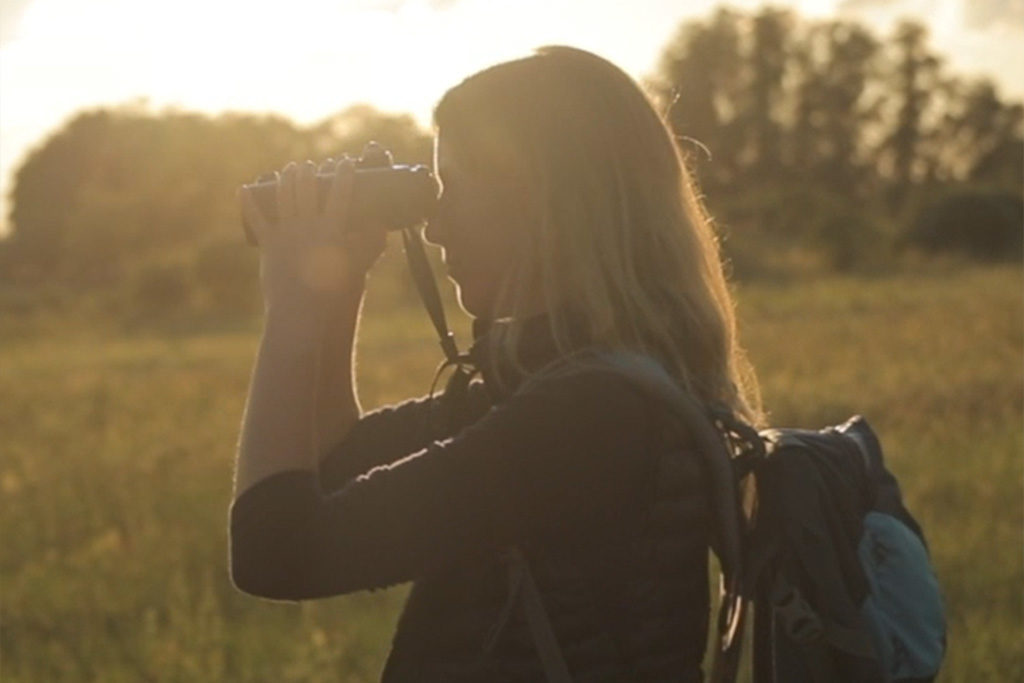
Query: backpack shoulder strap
[(704, 429), (654, 380), (548, 649), (711, 445)]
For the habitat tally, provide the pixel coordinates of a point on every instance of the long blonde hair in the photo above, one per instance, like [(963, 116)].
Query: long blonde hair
[(621, 239)]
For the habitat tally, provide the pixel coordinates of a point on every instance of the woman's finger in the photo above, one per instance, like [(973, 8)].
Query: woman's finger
[(306, 190), (327, 166), (336, 211), (252, 216), (286, 195)]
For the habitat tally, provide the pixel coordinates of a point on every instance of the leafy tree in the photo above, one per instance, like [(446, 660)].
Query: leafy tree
[(975, 130), (843, 110), (116, 187), (126, 190), (768, 62), (915, 79), (793, 110), (699, 82)]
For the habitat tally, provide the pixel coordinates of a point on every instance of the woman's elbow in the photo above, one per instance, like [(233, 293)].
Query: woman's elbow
[(278, 573), (261, 567), (259, 583), (297, 554)]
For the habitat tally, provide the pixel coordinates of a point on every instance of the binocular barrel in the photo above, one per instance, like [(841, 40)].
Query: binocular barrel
[(393, 197)]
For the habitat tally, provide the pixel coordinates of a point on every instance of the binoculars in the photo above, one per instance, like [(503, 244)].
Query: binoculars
[(383, 194)]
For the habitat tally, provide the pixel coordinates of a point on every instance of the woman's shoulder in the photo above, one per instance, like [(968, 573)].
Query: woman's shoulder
[(589, 448), (584, 385)]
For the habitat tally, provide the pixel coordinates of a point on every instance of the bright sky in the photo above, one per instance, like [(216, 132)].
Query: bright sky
[(311, 58)]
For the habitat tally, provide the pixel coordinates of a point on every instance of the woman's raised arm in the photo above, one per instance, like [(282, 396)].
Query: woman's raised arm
[(302, 400), (567, 457)]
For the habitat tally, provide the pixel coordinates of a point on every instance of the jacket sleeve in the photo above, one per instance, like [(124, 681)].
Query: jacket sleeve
[(384, 435), (555, 459), (379, 437)]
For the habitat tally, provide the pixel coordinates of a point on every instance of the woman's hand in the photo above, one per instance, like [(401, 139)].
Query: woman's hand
[(310, 262), (302, 399)]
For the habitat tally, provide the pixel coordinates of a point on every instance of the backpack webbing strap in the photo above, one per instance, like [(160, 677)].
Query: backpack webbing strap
[(544, 639), (710, 444)]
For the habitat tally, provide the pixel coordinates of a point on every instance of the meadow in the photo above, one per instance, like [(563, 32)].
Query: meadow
[(117, 449)]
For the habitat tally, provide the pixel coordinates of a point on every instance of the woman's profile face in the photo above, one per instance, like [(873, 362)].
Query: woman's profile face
[(480, 223)]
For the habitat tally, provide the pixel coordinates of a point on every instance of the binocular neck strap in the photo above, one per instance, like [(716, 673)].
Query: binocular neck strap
[(426, 285)]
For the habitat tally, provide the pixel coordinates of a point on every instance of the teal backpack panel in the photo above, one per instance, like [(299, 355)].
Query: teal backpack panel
[(903, 610)]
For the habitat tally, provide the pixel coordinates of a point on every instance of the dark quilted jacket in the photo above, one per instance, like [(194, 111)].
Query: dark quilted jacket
[(625, 581), (626, 604)]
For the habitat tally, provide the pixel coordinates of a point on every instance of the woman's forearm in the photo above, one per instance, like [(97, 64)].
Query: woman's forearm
[(337, 401), (277, 428), (301, 397)]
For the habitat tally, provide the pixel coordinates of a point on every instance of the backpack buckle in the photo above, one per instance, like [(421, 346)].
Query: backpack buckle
[(799, 621)]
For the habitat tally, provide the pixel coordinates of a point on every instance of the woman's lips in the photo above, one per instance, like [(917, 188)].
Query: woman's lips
[(452, 267), (455, 263)]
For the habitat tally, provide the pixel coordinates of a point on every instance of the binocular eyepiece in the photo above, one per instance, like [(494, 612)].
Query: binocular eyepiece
[(383, 194)]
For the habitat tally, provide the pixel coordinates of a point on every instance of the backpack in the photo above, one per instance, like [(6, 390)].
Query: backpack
[(834, 566)]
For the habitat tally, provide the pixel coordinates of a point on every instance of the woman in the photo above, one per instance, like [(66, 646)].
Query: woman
[(569, 225)]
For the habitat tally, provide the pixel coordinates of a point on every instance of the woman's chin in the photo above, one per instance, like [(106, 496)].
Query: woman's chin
[(473, 306), (470, 308)]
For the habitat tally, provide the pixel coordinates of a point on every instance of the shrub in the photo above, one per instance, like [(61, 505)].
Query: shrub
[(764, 229), (982, 224), (162, 289)]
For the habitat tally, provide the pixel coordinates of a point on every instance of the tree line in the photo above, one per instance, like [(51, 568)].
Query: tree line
[(825, 134), (819, 137), (141, 204)]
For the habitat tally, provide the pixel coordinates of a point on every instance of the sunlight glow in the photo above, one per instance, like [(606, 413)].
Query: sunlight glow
[(816, 8), (216, 55), (308, 59)]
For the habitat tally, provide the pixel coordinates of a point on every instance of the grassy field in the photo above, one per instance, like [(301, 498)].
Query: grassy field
[(115, 469)]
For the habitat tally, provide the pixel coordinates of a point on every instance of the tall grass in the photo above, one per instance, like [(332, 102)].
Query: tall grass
[(116, 453)]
